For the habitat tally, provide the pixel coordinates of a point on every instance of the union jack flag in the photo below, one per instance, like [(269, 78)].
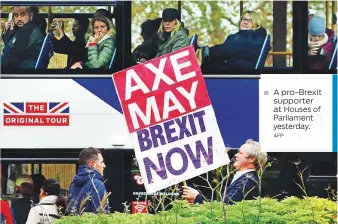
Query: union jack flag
[(53, 107)]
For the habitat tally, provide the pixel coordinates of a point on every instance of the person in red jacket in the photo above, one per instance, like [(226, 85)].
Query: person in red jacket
[(5, 212)]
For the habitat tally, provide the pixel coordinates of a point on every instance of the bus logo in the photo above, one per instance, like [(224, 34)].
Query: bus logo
[(36, 114)]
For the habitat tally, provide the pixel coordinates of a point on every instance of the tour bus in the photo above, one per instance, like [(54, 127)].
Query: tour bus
[(83, 109)]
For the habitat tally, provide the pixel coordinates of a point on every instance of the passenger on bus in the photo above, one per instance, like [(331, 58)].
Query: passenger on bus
[(88, 187), (23, 178), (321, 14), (172, 33), (244, 184), (39, 20), (240, 50), (76, 50), (51, 205), (23, 40), (38, 180), (320, 44), (148, 49), (23, 202), (100, 46), (104, 13)]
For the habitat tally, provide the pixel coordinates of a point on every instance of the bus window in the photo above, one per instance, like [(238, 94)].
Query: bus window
[(36, 168), (80, 9), (281, 52), (64, 173), (15, 170), (314, 6), (214, 21), (224, 20), (141, 11), (49, 56), (322, 38)]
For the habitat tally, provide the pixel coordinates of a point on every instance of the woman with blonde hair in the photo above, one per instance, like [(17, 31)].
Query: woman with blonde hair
[(101, 45), (172, 33), (240, 50)]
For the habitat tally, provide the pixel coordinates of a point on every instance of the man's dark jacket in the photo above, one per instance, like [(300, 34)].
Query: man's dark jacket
[(88, 183), (239, 51), (20, 208), (22, 47), (244, 188), (147, 50)]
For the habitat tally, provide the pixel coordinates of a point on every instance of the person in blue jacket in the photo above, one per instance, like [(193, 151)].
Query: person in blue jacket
[(240, 50), (244, 184), (88, 184)]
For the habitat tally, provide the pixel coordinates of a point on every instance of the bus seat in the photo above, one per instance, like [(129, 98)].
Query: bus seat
[(112, 60), (333, 62), (193, 41), (264, 53), (46, 52)]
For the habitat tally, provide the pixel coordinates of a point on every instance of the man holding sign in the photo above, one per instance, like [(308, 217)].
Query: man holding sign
[(170, 118), (244, 184)]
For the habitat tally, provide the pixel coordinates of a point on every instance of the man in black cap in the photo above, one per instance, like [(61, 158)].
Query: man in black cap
[(173, 35)]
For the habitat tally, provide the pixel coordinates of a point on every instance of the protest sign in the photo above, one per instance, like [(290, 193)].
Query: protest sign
[(170, 118)]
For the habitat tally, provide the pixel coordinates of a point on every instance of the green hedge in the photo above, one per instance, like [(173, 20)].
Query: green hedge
[(291, 210)]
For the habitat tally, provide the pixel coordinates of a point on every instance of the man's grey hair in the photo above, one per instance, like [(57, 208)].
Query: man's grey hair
[(255, 151)]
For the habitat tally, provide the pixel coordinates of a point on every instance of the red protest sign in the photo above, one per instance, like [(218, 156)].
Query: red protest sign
[(161, 89), (170, 118)]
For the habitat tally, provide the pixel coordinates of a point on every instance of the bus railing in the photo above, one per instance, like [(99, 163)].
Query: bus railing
[(288, 54), (60, 61)]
